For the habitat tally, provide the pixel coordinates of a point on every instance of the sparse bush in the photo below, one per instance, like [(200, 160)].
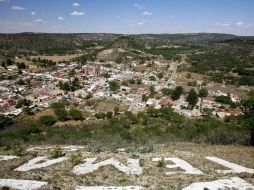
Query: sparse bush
[(47, 120), (56, 152), (93, 147), (18, 150), (76, 114), (76, 158), (161, 163), (109, 114)]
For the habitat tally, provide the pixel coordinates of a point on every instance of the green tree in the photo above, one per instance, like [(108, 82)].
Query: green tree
[(167, 91), (177, 93), (27, 110), (76, 114), (114, 85), (192, 98), (60, 111), (116, 110), (21, 66), (144, 98), (109, 114), (5, 121), (203, 92), (248, 111), (152, 90)]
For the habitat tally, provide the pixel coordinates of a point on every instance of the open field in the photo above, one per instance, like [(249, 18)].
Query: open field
[(57, 58)]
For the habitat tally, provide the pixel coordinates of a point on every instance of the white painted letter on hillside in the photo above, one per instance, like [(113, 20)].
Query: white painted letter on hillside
[(179, 163), (22, 184), (235, 168), (39, 162), (5, 158), (232, 183), (109, 188), (132, 168)]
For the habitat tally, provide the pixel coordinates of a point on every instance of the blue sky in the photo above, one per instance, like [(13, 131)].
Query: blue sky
[(128, 16)]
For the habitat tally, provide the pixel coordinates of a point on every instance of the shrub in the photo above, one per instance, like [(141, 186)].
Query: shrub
[(167, 91), (203, 92), (109, 114), (47, 120), (162, 163), (148, 148), (93, 147), (18, 150), (114, 85), (76, 158), (5, 121), (60, 111), (100, 115), (76, 114), (56, 152)]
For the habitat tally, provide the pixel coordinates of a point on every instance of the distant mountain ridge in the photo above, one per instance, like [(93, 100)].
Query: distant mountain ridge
[(35, 42)]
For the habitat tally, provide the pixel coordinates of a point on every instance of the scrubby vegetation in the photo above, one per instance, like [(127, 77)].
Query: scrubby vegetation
[(163, 125)]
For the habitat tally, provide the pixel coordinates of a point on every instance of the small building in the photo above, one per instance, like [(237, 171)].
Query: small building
[(125, 89)]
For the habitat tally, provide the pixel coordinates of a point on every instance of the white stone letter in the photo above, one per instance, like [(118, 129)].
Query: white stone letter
[(179, 163), (109, 188), (232, 183), (235, 168), (22, 184), (4, 158), (39, 162), (132, 167)]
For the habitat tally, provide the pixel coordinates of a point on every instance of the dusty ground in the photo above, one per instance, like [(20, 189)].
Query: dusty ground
[(153, 177)]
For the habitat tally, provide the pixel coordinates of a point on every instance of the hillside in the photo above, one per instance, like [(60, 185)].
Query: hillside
[(182, 165), (34, 42)]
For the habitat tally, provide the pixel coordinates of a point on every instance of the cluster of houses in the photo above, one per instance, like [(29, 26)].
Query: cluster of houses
[(94, 78)]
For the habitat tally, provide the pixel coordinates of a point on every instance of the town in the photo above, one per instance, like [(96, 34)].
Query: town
[(131, 86)]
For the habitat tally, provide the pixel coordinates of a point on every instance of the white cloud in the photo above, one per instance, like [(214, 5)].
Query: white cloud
[(38, 20), (138, 6), (33, 13), (170, 17), (1, 1), (226, 25), (60, 18), (223, 25), (75, 13), (17, 8), (147, 13), (141, 23), (76, 4), (239, 23)]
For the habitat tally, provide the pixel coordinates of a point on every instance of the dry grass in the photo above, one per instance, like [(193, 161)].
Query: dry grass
[(57, 58), (153, 177), (109, 106)]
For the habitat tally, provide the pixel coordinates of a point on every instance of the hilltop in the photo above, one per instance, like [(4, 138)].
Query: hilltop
[(34, 42)]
